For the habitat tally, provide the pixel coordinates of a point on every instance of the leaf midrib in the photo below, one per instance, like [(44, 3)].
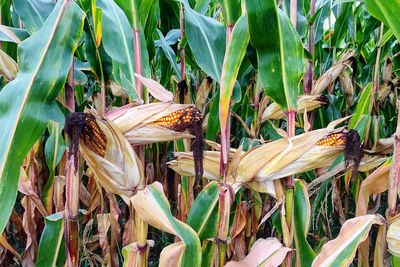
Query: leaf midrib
[(26, 95)]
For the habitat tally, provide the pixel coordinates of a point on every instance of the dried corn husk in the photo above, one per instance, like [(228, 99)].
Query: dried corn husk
[(347, 87), (332, 74), (304, 102), (261, 165), (289, 156)]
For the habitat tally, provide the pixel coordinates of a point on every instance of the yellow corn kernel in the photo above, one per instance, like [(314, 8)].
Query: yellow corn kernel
[(180, 119), (335, 139)]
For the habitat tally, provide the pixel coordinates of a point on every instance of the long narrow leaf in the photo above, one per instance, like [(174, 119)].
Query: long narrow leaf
[(234, 55), (45, 59), (279, 52)]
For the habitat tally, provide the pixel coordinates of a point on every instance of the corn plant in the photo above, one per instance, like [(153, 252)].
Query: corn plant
[(199, 133)]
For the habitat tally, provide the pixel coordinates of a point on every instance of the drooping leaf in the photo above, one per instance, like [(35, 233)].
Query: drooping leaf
[(45, 59), (169, 53), (153, 207), (264, 252), (279, 52), (341, 250)]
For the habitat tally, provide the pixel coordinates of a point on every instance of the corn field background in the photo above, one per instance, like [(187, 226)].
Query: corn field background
[(199, 133)]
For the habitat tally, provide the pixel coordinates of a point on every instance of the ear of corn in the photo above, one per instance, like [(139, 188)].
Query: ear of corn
[(304, 102), (106, 151), (333, 73)]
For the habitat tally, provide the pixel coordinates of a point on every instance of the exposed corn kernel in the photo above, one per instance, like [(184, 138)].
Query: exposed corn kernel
[(179, 120), (335, 139)]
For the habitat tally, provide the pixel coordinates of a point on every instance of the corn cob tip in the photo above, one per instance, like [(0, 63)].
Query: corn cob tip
[(83, 126)]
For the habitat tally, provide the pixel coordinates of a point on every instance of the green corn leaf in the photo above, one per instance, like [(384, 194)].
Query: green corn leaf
[(364, 106), (33, 13), (203, 215), (232, 10), (302, 211), (341, 24), (10, 34), (51, 250), (54, 150), (118, 42), (206, 38), (234, 55), (170, 54), (279, 52), (387, 12), (44, 59)]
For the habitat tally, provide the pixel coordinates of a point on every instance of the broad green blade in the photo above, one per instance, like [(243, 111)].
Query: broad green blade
[(387, 12), (33, 13), (279, 52), (206, 38), (341, 250), (44, 61), (302, 212), (51, 245), (10, 34), (118, 42), (234, 55), (153, 207), (203, 215)]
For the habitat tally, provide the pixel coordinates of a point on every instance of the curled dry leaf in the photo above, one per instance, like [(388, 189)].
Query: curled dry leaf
[(265, 252), (376, 183)]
